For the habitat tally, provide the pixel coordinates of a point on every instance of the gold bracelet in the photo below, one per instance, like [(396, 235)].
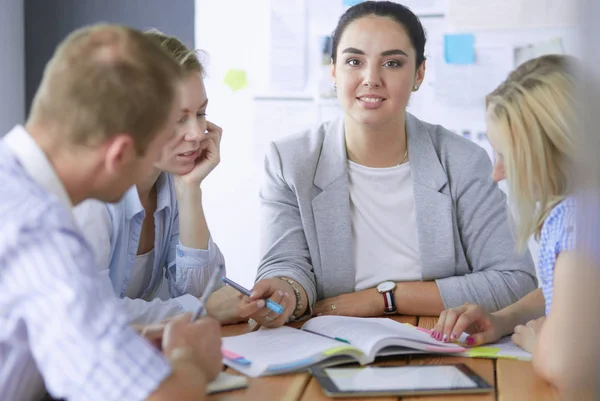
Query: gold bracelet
[(298, 309)]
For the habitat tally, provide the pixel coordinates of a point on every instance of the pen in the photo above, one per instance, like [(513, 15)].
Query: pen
[(331, 338), (274, 306), (212, 283)]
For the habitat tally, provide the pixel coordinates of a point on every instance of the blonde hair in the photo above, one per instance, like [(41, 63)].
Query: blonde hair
[(534, 113), (106, 80), (186, 58)]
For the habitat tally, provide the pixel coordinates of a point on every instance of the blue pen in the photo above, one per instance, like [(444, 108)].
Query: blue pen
[(274, 306)]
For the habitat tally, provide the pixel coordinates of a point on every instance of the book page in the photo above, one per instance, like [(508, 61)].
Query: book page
[(372, 334), (281, 349)]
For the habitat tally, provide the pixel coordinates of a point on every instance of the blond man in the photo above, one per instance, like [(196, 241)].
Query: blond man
[(107, 104)]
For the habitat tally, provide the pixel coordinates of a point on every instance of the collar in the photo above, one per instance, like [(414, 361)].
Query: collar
[(133, 204), (36, 164), (424, 161)]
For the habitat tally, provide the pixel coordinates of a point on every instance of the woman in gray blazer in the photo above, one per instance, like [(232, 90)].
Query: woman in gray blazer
[(379, 212)]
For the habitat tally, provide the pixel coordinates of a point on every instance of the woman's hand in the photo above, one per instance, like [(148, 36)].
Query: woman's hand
[(276, 290), (364, 303), (526, 336), (224, 305), (209, 156), (482, 326)]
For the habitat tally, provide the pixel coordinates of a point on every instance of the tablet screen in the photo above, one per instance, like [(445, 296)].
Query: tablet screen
[(412, 378)]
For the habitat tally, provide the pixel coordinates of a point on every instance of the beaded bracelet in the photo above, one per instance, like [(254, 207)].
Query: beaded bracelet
[(296, 313)]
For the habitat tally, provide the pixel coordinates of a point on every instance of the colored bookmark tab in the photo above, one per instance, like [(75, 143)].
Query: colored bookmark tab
[(483, 352), (232, 356), (335, 350)]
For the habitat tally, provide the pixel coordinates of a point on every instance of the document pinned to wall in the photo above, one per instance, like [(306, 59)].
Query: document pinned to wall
[(288, 45), (467, 85), (511, 14), (425, 7), (528, 52)]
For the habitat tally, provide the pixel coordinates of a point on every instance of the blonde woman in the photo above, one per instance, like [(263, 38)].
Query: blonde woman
[(529, 119), (154, 245)]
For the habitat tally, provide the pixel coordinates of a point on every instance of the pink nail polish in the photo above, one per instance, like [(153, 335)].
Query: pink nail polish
[(439, 336), (445, 338), (432, 334), (453, 336), (470, 340)]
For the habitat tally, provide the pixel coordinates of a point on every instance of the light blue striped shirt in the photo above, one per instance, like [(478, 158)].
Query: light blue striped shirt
[(59, 324), (179, 274)]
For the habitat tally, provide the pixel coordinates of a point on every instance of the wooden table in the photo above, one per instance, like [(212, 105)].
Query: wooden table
[(513, 380)]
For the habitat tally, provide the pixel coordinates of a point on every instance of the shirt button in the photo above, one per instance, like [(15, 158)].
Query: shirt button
[(180, 253)]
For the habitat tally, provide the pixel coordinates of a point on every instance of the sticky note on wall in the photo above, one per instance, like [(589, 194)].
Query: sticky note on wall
[(459, 48), (350, 3), (236, 79)]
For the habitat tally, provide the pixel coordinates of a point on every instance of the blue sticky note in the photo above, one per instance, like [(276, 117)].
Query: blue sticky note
[(350, 3), (459, 49)]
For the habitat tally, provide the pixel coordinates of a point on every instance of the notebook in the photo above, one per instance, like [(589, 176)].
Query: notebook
[(226, 382), (327, 341)]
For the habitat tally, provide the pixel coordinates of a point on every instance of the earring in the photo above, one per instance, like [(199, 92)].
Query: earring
[(415, 88)]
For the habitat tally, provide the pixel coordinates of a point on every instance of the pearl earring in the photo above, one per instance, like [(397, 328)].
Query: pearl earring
[(416, 88)]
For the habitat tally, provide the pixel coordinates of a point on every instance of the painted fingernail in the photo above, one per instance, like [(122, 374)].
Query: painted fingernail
[(453, 336), (470, 340), (445, 338), (433, 334), (439, 336)]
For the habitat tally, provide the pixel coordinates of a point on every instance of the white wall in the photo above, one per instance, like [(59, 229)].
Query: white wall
[(234, 34), (12, 64)]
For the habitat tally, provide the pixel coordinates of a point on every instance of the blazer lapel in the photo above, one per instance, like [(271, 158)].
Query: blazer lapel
[(433, 209), (331, 210)]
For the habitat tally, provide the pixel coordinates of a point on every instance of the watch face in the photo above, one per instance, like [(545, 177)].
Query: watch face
[(386, 286)]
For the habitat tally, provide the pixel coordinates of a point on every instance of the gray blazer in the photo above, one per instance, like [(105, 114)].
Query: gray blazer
[(465, 241)]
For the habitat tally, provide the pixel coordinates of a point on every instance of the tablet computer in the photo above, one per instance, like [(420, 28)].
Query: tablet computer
[(399, 380)]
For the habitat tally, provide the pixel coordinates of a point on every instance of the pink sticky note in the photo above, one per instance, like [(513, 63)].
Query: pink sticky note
[(230, 355)]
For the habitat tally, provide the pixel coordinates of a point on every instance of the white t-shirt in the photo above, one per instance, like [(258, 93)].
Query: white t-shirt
[(141, 275), (384, 225)]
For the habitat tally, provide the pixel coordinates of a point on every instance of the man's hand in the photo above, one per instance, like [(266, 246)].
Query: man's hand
[(202, 338)]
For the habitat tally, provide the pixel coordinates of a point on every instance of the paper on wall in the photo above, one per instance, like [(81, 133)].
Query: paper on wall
[(288, 45), (524, 53), (511, 14), (425, 7), (467, 85)]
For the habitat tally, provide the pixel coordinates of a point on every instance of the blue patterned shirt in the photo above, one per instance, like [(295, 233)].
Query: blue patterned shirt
[(558, 234), (60, 326)]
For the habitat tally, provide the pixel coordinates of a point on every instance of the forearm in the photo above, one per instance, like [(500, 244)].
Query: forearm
[(419, 298), (530, 307), (193, 230)]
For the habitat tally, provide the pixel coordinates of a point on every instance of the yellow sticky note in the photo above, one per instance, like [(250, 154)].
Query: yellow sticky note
[(333, 351), (484, 352), (236, 79)]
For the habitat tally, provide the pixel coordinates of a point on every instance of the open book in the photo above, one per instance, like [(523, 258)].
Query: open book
[(327, 340)]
